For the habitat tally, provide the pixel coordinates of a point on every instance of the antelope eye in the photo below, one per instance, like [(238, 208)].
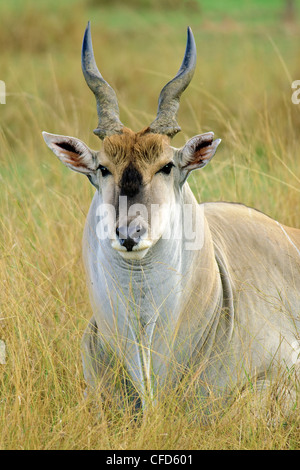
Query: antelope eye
[(167, 168), (104, 170)]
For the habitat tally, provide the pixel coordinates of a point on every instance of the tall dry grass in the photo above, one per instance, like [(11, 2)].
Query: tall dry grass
[(241, 91)]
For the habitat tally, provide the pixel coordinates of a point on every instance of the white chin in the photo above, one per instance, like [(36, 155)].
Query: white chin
[(133, 255), (137, 253)]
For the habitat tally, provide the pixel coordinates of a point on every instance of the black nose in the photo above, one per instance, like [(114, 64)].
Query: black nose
[(130, 236)]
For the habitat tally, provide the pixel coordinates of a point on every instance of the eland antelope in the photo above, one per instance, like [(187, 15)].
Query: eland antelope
[(175, 284)]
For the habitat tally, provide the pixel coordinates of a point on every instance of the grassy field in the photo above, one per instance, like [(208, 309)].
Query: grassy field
[(247, 59)]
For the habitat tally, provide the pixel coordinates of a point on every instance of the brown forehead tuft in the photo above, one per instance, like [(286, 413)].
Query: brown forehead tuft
[(137, 147)]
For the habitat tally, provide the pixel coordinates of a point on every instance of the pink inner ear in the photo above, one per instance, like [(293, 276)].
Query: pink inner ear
[(71, 154), (203, 153), (73, 161)]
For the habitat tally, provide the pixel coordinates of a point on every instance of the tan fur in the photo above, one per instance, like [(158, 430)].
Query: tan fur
[(141, 148)]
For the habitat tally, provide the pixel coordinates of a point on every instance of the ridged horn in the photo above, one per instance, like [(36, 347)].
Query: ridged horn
[(168, 102), (107, 103)]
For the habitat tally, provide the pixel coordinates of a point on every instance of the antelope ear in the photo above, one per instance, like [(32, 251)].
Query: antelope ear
[(73, 153), (198, 151)]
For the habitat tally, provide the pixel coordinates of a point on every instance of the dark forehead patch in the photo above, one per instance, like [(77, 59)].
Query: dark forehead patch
[(131, 181)]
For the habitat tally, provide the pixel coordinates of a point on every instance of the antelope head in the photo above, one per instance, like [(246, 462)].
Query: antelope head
[(141, 171)]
